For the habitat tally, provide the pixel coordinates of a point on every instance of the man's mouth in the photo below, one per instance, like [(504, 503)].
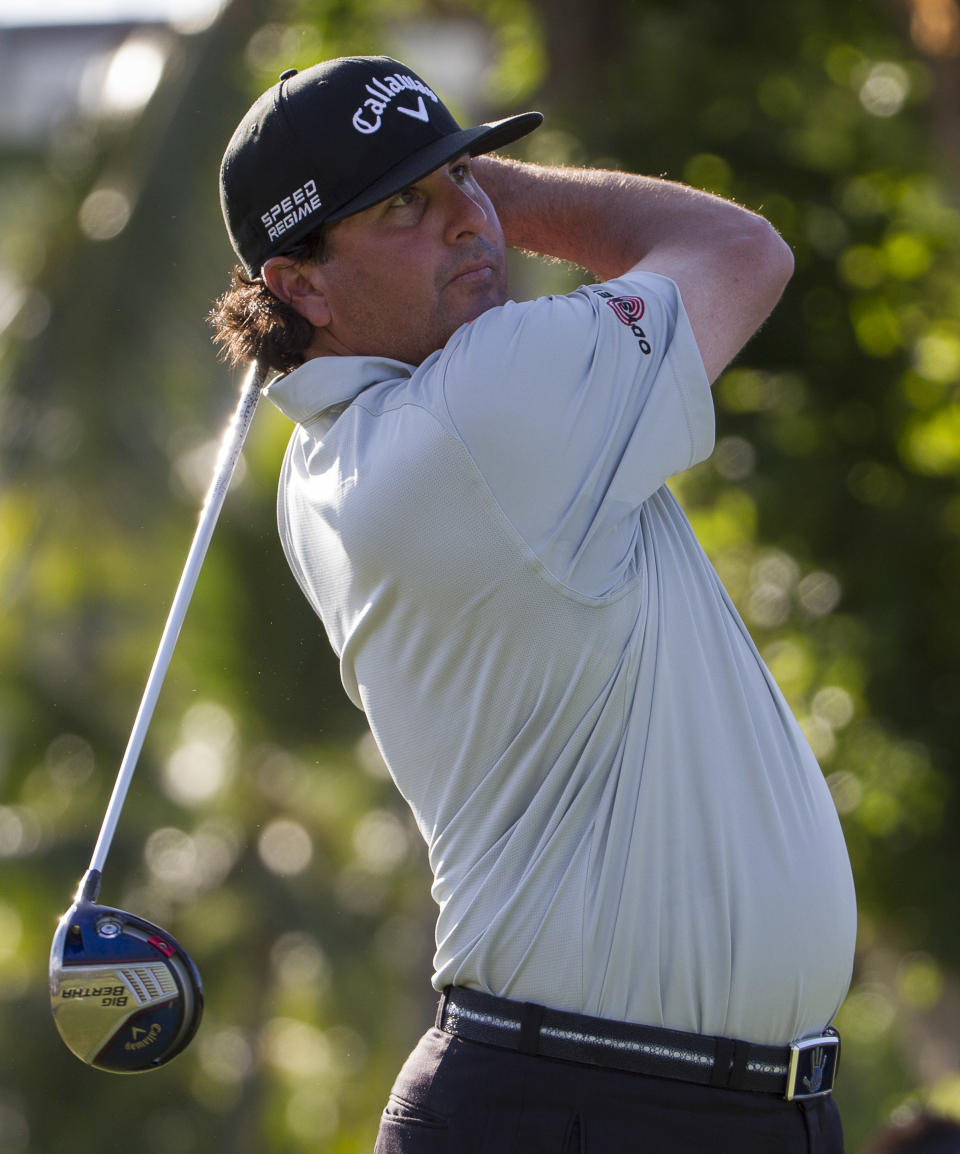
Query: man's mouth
[(474, 274)]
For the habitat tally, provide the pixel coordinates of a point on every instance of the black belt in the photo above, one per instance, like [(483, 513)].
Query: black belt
[(805, 1069)]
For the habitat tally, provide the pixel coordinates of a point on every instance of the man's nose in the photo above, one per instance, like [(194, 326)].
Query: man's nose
[(467, 215)]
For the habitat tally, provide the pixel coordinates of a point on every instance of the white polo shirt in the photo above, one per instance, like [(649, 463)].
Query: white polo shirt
[(623, 817)]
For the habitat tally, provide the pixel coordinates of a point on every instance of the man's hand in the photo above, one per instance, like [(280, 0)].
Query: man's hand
[(730, 265)]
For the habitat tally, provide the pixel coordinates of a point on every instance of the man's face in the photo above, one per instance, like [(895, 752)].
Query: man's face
[(402, 276)]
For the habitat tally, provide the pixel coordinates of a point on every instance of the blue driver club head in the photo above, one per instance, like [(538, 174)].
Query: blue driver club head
[(125, 996)]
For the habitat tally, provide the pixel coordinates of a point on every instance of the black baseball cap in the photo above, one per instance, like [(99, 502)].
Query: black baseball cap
[(333, 140)]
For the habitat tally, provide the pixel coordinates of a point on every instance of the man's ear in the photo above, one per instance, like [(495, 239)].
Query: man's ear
[(300, 286)]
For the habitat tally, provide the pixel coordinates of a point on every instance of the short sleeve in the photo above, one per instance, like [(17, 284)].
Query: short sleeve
[(576, 409)]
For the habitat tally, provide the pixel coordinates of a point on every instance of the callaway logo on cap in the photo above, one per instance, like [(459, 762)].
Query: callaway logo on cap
[(369, 116), (333, 140)]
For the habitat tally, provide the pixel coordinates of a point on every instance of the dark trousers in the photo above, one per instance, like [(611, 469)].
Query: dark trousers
[(468, 1098)]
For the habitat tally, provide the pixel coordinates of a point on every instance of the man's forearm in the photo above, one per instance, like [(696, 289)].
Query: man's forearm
[(605, 221), (729, 264)]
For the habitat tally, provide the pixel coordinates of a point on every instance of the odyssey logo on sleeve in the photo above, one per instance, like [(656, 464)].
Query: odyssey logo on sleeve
[(629, 311), (381, 92)]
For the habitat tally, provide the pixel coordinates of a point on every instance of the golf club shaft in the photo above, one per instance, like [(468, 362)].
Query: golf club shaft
[(230, 448)]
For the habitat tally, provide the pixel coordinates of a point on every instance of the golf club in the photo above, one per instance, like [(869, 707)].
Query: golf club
[(125, 995)]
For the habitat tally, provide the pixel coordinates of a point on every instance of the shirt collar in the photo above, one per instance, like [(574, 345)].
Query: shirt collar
[(324, 382)]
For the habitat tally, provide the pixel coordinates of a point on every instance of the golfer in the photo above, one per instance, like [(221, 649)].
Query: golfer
[(646, 913)]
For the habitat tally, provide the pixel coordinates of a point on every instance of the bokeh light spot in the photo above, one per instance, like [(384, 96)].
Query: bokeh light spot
[(285, 847)]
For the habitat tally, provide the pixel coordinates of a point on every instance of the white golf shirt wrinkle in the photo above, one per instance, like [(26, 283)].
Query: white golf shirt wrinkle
[(522, 544), (621, 813), (601, 473)]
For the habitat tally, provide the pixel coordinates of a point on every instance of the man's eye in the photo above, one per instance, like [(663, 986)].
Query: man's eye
[(402, 199)]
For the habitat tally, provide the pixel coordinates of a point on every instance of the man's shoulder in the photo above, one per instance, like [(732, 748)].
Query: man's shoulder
[(550, 316), (563, 335)]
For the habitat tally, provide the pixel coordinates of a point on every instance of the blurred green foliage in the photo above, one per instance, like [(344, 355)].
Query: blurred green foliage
[(261, 828)]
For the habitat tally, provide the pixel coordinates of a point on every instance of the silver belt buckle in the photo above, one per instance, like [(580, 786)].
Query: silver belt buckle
[(813, 1066)]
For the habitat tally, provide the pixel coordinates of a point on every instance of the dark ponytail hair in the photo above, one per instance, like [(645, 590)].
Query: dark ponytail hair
[(250, 323)]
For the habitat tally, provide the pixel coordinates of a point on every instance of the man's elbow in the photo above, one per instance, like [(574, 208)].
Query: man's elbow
[(759, 264), (753, 268), (770, 258)]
